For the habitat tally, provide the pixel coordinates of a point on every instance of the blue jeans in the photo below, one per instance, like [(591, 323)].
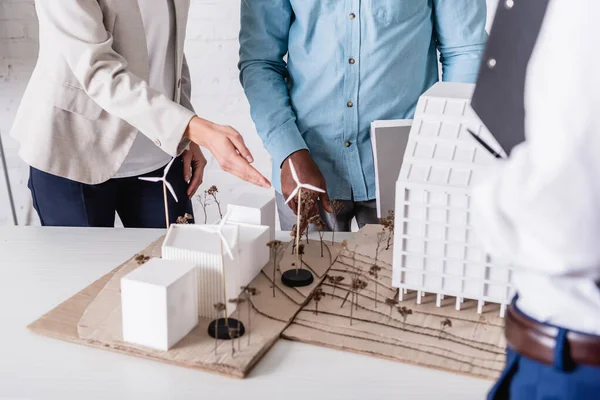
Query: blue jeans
[(527, 379), (63, 202)]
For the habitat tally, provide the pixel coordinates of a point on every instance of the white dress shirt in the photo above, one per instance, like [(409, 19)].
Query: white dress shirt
[(541, 208), (158, 17)]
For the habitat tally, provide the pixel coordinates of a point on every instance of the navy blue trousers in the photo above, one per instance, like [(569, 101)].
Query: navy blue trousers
[(526, 379), (63, 202)]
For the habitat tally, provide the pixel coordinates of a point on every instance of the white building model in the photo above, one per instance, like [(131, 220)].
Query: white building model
[(227, 256), (205, 249), (435, 248), (158, 303), (254, 209)]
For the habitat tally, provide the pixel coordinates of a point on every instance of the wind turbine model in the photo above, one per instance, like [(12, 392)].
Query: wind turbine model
[(166, 185), (222, 326), (305, 277)]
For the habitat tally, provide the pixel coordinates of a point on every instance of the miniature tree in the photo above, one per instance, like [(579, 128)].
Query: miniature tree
[(374, 272), (249, 292), (238, 301), (205, 200), (319, 224), (212, 192), (233, 333), (356, 286), (142, 259), (336, 207), (392, 303), (389, 225), (380, 239), (225, 248), (317, 297), (298, 191), (219, 308), (335, 281), (293, 235), (404, 312), (275, 246), (185, 220), (300, 255), (445, 323)]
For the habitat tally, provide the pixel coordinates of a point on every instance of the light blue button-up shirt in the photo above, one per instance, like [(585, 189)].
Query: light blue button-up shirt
[(349, 63)]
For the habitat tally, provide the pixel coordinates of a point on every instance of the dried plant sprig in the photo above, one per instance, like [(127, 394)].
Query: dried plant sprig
[(389, 225), (237, 302), (142, 259), (320, 225), (391, 303), (219, 308), (275, 246), (213, 191), (185, 220), (404, 312), (336, 207), (205, 201), (249, 292), (374, 272), (335, 281), (317, 297), (446, 323)]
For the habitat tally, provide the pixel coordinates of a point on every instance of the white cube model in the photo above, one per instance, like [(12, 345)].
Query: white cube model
[(254, 209), (435, 247), (159, 303), (193, 243), (253, 251)]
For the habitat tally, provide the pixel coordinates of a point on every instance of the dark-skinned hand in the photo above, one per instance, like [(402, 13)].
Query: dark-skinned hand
[(308, 172)]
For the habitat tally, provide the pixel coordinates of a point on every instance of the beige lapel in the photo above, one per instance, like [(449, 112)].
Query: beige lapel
[(182, 8)]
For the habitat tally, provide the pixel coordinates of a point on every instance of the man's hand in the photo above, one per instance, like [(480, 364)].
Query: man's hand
[(193, 168), (228, 148), (308, 172)]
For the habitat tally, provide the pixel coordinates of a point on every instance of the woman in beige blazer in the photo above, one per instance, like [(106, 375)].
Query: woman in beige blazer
[(108, 102)]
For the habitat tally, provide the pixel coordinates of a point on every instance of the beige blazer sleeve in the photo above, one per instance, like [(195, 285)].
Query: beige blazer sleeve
[(77, 28), (186, 86)]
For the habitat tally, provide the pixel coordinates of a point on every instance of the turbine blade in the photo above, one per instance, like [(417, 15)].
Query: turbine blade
[(167, 168), (294, 173), (294, 193), (172, 191), (226, 245), (224, 220), (151, 179), (313, 188)]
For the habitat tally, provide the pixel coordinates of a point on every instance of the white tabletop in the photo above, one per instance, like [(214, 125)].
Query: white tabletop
[(41, 267)]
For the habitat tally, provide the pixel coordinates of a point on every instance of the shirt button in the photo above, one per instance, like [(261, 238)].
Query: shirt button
[(509, 4), (347, 144), (157, 142), (352, 61), (352, 15), (179, 83), (350, 104), (491, 63)]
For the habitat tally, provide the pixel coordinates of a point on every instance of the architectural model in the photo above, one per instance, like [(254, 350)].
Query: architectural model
[(435, 248), (159, 303), (254, 209), (227, 255), (214, 250), (253, 251)]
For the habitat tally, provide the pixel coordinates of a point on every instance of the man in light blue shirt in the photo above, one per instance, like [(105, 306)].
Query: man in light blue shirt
[(349, 62)]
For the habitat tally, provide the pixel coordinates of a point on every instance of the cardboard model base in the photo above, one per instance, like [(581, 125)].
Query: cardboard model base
[(473, 345)]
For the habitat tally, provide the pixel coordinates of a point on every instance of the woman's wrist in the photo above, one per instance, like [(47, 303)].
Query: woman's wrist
[(196, 130)]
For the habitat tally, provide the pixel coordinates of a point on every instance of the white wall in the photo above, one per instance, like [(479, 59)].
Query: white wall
[(211, 50)]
